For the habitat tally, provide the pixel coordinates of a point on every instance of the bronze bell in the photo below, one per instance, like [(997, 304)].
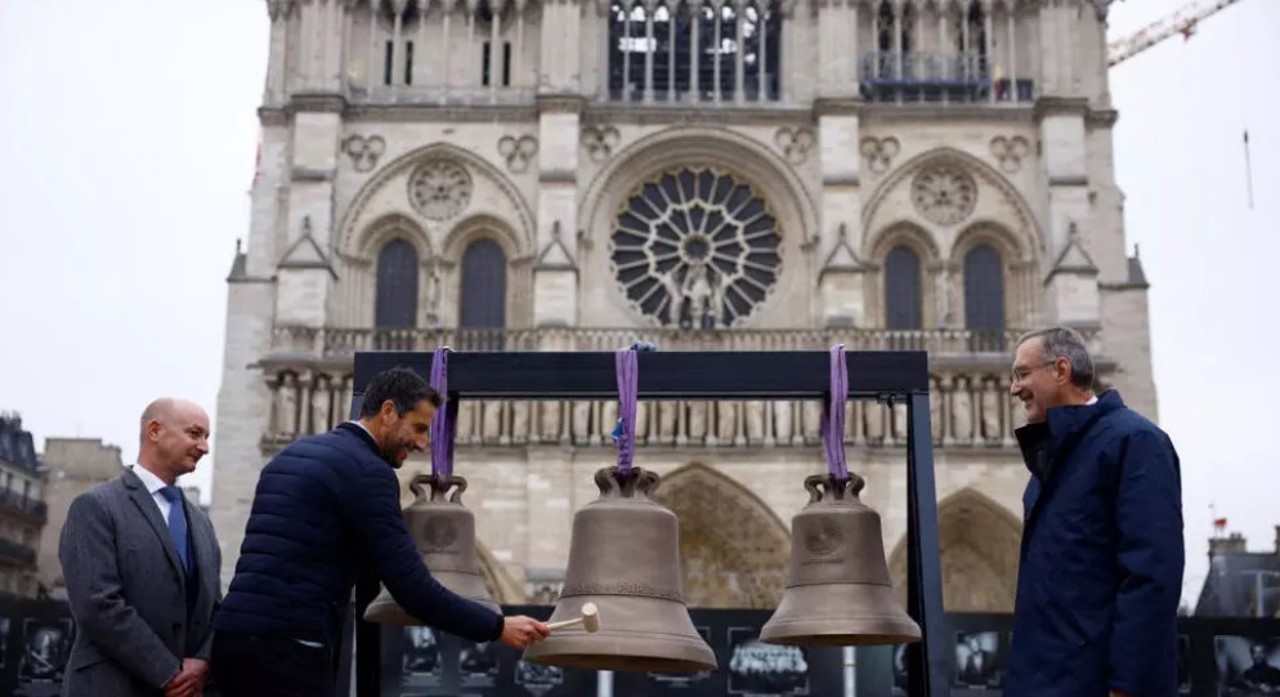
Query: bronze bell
[(446, 535), (624, 556), (839, 592)]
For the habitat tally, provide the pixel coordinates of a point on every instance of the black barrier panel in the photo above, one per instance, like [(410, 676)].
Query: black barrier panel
[(1222, 657), (747, 665), (419, 662), (35, 642)]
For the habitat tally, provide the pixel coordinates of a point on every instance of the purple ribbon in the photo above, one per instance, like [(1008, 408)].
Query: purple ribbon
[(446, 417), (628, 376), (833, 416)]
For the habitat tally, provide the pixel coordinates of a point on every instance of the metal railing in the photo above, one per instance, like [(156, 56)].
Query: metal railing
[(14, 502)]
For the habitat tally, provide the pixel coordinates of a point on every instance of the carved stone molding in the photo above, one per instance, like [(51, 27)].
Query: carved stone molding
[(518, 151), (879, 153), (440, 189), (1009, 152), (599, 141), (795, 143), (944, 194), (364, 152)]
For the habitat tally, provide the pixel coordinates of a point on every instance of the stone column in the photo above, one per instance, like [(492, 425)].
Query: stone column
[(839, 235), (279, 12), (305, 271), (555, 300), (1062, 133)]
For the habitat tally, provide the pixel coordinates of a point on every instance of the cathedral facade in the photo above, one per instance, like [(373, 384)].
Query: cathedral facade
[(576, 175)]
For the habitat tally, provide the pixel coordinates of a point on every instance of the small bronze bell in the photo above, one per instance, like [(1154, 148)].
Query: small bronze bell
[(839, 592), (624, 556), (446, 535)]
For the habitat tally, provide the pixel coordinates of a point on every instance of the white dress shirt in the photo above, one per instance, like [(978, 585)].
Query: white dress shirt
[(154, 484)]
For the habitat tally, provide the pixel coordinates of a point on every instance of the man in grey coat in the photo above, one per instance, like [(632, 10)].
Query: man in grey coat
[(142, 569)]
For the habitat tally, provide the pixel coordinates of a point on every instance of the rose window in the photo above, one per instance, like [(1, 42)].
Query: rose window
[(440, 189), (696, 248), (945, 194)]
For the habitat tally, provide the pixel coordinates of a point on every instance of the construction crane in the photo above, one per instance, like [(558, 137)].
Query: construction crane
[(1182, 22)]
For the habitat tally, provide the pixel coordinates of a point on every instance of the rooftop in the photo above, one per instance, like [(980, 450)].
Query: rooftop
[(17, 447), (1237, 577)]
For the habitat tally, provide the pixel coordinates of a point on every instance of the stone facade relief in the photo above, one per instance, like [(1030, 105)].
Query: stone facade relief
[(795, 143), (518, 152), (364, 151), (734, 550), (440, 189), (944, 194), (600, 141), (1009, 152), (878, 153), (966, 410)]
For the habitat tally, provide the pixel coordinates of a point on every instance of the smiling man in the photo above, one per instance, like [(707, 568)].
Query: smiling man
[(141, 565), (327, 506), (1102, 552)]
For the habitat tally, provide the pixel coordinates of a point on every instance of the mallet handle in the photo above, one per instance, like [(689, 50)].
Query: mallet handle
[(565, 623)]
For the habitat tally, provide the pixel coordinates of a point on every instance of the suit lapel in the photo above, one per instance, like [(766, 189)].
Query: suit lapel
[(147, 507)]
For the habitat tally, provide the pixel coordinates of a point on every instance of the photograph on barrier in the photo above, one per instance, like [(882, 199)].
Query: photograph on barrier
[(45, 648), (695, 683), (1247, 665), (478, 664), (757, 668), (980, 660), (422, 664)]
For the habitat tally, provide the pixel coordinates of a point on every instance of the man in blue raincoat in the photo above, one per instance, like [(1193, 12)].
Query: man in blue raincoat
[(1102, 552)]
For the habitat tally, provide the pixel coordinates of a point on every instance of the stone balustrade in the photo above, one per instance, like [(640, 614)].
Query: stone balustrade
[(309, 376)]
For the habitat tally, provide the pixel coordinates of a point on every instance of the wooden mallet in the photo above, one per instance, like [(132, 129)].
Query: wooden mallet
[(590, 619)]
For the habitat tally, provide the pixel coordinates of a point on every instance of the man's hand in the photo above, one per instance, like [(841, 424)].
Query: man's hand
[(520, 631), (189, 682)]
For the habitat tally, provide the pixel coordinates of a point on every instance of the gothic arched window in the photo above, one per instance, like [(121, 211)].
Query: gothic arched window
[(484, 286), (903, 300), (984, 298), (396, 303)]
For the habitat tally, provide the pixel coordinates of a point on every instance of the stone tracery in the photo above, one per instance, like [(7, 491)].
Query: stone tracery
[(734, 550), (697, 248)]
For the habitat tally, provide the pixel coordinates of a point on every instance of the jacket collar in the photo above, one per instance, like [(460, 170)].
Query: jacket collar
[(1062, 430)]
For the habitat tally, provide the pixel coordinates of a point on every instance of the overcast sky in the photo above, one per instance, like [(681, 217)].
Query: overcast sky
[(127, 140)]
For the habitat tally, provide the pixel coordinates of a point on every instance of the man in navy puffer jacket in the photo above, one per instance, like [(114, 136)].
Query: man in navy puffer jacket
[(327, 506)]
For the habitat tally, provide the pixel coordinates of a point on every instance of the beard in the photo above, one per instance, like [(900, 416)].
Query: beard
[(390, 454)]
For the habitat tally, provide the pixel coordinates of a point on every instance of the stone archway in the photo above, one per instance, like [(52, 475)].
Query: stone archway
[(501, 586), (734, 550), (979, 540)]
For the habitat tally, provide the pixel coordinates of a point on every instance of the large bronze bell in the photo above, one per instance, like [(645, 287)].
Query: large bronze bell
[(839, 592), (624, 556), (446, 535)]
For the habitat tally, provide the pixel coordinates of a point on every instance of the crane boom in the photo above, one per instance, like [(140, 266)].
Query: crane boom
[(1181, 22)]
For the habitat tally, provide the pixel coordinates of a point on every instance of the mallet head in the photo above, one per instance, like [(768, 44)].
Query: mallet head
[(590, 617)]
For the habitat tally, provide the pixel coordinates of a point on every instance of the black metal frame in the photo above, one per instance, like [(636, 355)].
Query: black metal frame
[(887, 376)]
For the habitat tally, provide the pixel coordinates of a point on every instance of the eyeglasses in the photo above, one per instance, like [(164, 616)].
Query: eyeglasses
[(1020, 375)]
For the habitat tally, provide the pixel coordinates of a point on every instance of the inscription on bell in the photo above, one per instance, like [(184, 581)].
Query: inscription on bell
[(440, 536), (822, 537)]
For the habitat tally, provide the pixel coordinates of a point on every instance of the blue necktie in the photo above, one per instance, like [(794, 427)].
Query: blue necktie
[(178, 524)]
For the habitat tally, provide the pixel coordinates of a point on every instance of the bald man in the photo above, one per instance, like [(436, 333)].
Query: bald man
[(141, 565)]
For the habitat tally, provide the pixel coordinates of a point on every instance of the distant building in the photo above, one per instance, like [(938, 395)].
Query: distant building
[(73, 466), (1240, 583), (22, 509)]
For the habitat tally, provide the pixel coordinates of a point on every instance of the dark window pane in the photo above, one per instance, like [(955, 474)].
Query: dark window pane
[(484, 286), (984, 298), (396, 304), (903, 300)]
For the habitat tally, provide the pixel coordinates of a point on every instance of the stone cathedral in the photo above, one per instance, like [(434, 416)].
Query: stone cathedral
[(525, 175)]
